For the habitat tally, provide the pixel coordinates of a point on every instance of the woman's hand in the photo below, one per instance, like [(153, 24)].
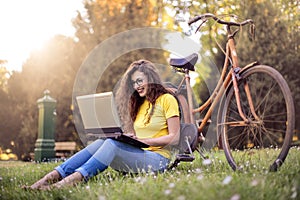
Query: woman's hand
[(132, 135), (171, 139)]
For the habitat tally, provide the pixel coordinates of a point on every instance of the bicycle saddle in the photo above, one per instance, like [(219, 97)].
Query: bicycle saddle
[(185, 63)]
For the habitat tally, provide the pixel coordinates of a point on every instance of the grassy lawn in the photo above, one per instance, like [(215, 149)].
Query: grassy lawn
[(196, 180)]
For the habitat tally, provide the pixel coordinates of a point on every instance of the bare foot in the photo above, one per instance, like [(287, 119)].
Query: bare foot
[(44, 182), (46, 187), (37, 185), (70, 180), (26, 187)]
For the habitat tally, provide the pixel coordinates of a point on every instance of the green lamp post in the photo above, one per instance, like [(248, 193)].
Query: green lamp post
[(45, 143)]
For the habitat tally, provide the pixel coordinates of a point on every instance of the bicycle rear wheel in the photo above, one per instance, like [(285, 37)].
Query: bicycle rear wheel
[(265, 140)]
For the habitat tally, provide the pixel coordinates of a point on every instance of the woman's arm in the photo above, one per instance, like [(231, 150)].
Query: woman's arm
[(171, 139)]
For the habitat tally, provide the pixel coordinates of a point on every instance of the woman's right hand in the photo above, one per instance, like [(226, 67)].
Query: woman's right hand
[(132, 135)]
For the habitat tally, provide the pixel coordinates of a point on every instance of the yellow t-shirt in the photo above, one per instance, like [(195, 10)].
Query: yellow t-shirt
[(166, 106)]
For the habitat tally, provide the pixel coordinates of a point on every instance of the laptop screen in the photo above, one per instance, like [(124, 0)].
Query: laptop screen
[(98, 111), (99, 116)]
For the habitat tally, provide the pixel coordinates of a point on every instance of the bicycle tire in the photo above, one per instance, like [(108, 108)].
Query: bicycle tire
[(273, 131)]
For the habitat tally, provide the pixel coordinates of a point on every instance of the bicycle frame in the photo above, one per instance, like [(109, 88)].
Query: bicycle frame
[(241, 125), (226, 78)]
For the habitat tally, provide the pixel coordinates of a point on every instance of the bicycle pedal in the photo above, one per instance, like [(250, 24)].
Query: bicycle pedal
[(185, 157), (201, 138)]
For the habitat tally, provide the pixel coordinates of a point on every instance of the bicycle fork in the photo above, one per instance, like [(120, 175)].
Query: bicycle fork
[(235, 78)]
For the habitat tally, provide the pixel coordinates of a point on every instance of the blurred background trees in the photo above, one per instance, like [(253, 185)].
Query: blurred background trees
[(55, 66)]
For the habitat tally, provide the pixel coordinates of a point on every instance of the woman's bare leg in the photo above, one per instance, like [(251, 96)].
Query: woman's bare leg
[(49, 178), (70, 180)]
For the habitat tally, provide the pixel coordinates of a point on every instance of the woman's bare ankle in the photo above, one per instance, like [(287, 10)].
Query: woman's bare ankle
[(53, 177), (70, 180), (49, 178)]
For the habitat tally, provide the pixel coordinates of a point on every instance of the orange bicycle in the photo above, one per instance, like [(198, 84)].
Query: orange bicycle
[(256, 109)]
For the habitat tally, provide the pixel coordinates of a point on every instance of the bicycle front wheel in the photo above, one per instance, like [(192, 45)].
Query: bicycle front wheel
[(264, 140)]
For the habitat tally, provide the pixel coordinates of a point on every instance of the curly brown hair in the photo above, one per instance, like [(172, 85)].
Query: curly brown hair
[(127, 98)]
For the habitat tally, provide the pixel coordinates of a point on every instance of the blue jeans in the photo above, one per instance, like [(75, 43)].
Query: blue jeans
[(123, 157)]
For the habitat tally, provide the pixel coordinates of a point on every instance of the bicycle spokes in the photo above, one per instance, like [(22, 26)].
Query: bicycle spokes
[(267, 126)]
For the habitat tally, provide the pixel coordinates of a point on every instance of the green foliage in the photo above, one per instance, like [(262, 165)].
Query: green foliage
[(43, 70), (106, 19), (196, 180), (4, 76), (211, 56), (7, 110), (56, 65), (276, 43)]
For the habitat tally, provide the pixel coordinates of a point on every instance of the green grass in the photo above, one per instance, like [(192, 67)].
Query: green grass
[(195, 180)]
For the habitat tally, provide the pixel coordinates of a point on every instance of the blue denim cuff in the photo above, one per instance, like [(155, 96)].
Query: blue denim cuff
[(60, 171), (83, 172)]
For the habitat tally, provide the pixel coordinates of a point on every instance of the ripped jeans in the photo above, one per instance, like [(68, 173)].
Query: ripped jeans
[(123, 157)]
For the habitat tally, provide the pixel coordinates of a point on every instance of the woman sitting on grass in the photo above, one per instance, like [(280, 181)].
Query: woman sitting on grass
[(153, 118)]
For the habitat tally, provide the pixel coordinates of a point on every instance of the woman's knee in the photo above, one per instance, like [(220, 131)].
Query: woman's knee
[(92, 148), (116, 145), (110, 144)]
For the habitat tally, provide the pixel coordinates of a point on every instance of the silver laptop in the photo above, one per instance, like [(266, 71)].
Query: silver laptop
[(99, 111), (99, 116)]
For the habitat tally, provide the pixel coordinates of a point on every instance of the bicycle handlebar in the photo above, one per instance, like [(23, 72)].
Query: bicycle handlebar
[(218, 20)]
